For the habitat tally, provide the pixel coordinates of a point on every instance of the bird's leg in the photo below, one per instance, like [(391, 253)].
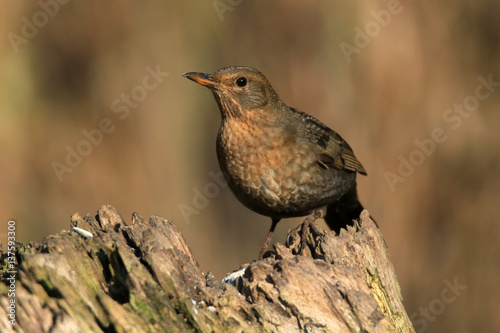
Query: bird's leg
[(308, 224), (268, 239)]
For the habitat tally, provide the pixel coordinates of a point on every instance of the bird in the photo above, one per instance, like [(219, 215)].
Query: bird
[(278, 161)]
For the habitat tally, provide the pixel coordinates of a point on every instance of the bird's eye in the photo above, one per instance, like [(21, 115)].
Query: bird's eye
[(241, 82)]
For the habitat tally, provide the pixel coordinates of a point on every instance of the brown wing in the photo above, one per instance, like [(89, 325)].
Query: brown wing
[(341, 158), (334, 151)]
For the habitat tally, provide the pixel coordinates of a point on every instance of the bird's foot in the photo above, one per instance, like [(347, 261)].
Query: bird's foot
[(268, 239), (306, 228)]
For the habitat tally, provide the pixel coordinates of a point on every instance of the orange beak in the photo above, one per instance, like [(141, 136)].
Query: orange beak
[(203, 79)]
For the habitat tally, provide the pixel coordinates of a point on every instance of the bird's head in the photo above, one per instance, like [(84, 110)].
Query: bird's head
[(237, 89)]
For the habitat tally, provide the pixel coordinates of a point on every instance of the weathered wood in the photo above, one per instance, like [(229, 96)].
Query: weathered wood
[(142, 277)]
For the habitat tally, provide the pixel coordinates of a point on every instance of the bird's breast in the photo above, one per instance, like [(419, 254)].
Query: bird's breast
[(270, 171)]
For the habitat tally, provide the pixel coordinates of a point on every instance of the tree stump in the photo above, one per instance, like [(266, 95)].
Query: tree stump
[(142, 277)]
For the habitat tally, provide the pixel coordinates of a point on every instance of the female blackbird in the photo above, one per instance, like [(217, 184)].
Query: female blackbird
[(278, 161)]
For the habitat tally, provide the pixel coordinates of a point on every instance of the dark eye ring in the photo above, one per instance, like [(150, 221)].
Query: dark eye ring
[(241, 82)]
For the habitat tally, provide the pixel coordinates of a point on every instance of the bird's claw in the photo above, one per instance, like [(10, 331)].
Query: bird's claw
[(305, 228)]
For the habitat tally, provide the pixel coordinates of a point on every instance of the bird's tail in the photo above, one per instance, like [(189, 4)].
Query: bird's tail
[(341, 213)]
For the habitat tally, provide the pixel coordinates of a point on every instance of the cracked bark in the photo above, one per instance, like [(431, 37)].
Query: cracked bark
[(142, 277)]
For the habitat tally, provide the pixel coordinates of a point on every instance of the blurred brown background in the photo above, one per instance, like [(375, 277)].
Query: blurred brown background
[(388, 76)]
